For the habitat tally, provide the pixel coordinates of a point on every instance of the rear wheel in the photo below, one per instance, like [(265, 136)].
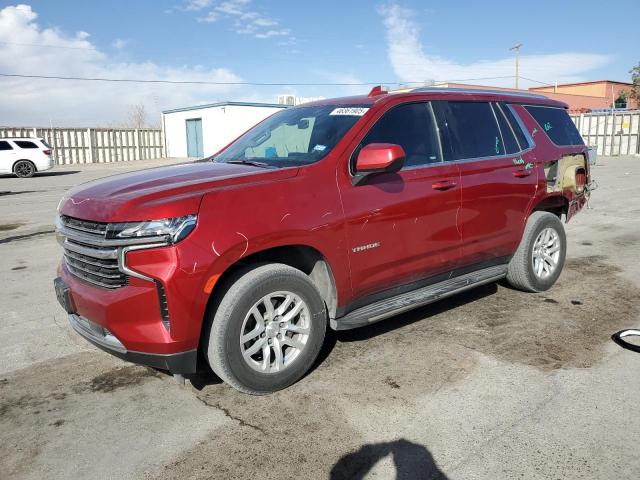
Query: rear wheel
[(267, 330), (24, 169), (539, 260)]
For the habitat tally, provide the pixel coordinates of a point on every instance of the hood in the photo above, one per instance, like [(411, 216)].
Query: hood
[(161, 192)]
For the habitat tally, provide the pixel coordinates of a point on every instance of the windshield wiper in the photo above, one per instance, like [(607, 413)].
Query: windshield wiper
[(255, 163)]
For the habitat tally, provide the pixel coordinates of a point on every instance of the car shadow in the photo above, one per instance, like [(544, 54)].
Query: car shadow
[(411, 460), (44, 174), (56, 173)]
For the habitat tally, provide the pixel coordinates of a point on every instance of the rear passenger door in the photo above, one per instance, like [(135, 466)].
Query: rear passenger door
[(497, 176)]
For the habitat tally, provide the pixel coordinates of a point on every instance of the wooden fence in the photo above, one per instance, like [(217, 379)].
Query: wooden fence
[(95, 145), (613, 134)]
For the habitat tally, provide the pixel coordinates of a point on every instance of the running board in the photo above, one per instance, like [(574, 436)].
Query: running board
[(389, 307)]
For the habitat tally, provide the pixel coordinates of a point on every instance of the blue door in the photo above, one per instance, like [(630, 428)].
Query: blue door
[(194, 137)]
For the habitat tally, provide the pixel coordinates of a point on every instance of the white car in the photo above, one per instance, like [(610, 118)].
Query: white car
[(24, 156)]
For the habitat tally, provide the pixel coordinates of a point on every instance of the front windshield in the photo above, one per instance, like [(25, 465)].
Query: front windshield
[(294, 136)]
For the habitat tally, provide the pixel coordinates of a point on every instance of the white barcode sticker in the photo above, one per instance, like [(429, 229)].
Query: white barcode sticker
[(353, 111)]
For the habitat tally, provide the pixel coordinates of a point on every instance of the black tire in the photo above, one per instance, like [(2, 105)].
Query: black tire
[(521, 274), (24, 169), (222, 341)]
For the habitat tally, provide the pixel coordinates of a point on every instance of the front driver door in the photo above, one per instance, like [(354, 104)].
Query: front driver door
[(401, 227)]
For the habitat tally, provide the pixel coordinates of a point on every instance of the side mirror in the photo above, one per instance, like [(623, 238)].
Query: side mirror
[(378, 158)]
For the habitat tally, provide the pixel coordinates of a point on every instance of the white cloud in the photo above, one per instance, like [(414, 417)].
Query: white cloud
[(34, 102), (246, 21), (119, 44), (412, 63)]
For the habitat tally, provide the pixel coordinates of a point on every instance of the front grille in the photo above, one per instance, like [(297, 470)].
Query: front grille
[(87, 258), (95, 228)]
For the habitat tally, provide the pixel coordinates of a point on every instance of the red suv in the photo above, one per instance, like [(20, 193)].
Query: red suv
[(336, 213)]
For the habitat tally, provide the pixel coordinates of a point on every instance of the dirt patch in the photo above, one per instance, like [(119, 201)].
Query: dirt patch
[(26, 236), (627, 240), (123, 377), (569, 329), (5, 227), (37, 402)]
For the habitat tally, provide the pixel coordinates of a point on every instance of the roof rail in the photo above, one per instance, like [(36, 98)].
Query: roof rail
[(478, 91)]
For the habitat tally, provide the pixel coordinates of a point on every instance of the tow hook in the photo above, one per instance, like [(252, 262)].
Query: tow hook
[(619, 336)]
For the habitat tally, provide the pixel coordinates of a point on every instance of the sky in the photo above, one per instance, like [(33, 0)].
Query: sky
[(233, 43)]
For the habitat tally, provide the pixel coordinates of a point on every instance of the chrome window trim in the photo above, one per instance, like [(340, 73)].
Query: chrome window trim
[(524, 129), (521, 152)]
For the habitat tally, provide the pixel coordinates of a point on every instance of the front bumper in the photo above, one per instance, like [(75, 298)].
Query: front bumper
[(176, 363)]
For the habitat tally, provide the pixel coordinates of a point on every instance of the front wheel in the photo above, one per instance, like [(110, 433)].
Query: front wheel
[(539, 259), (267, 330)]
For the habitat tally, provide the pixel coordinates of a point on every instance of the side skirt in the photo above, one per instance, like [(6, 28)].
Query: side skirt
[(389, 307)]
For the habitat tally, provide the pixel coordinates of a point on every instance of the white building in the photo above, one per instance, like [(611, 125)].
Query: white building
[(203, 130), (288, 99)]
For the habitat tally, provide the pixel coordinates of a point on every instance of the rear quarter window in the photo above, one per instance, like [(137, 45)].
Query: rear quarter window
[(557, 124), (5, 146), (25, 144)]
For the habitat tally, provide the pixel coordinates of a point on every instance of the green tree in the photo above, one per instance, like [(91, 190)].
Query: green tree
[(635, 79)]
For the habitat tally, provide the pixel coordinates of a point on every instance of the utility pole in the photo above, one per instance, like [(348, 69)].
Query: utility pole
[(517, 49)]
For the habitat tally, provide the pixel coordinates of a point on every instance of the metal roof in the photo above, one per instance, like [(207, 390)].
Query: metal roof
[(226, 104)]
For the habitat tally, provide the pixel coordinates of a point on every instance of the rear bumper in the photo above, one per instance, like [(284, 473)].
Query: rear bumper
[(176, 363)]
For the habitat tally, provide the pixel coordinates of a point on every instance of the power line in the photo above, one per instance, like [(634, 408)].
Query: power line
[(257, 84)]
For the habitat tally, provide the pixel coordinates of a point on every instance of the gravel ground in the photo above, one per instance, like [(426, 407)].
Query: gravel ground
[(490, 384)]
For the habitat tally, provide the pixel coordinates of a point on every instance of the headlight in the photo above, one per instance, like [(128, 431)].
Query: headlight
[(170, 229)]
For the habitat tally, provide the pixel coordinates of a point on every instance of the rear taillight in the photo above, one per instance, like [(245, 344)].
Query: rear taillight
[(47, 152), (581, 180)]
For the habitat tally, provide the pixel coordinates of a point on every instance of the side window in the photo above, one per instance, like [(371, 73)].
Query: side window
[(471, 130), (412, 126), (522, 138), (5, 146), (25, 144), (509, 139), (557, 124)]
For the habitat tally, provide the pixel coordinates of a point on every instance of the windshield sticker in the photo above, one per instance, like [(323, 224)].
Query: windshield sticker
[(320, 148), (352, 111)]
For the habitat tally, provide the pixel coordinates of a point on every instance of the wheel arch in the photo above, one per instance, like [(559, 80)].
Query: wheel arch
[(556, 204), (305, 258)]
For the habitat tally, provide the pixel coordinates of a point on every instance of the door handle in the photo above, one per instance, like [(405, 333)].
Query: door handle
[(443, 185), (522, 173)]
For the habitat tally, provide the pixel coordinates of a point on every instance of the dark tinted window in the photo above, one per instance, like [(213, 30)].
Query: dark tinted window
[(520, 136), (5, 146), (510, 144), (557, 124), (412, 127), (25, 144), (470, 130)]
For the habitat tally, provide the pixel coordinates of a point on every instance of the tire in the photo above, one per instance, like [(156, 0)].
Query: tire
[(540, 257), (24, 169), (259, 372)]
